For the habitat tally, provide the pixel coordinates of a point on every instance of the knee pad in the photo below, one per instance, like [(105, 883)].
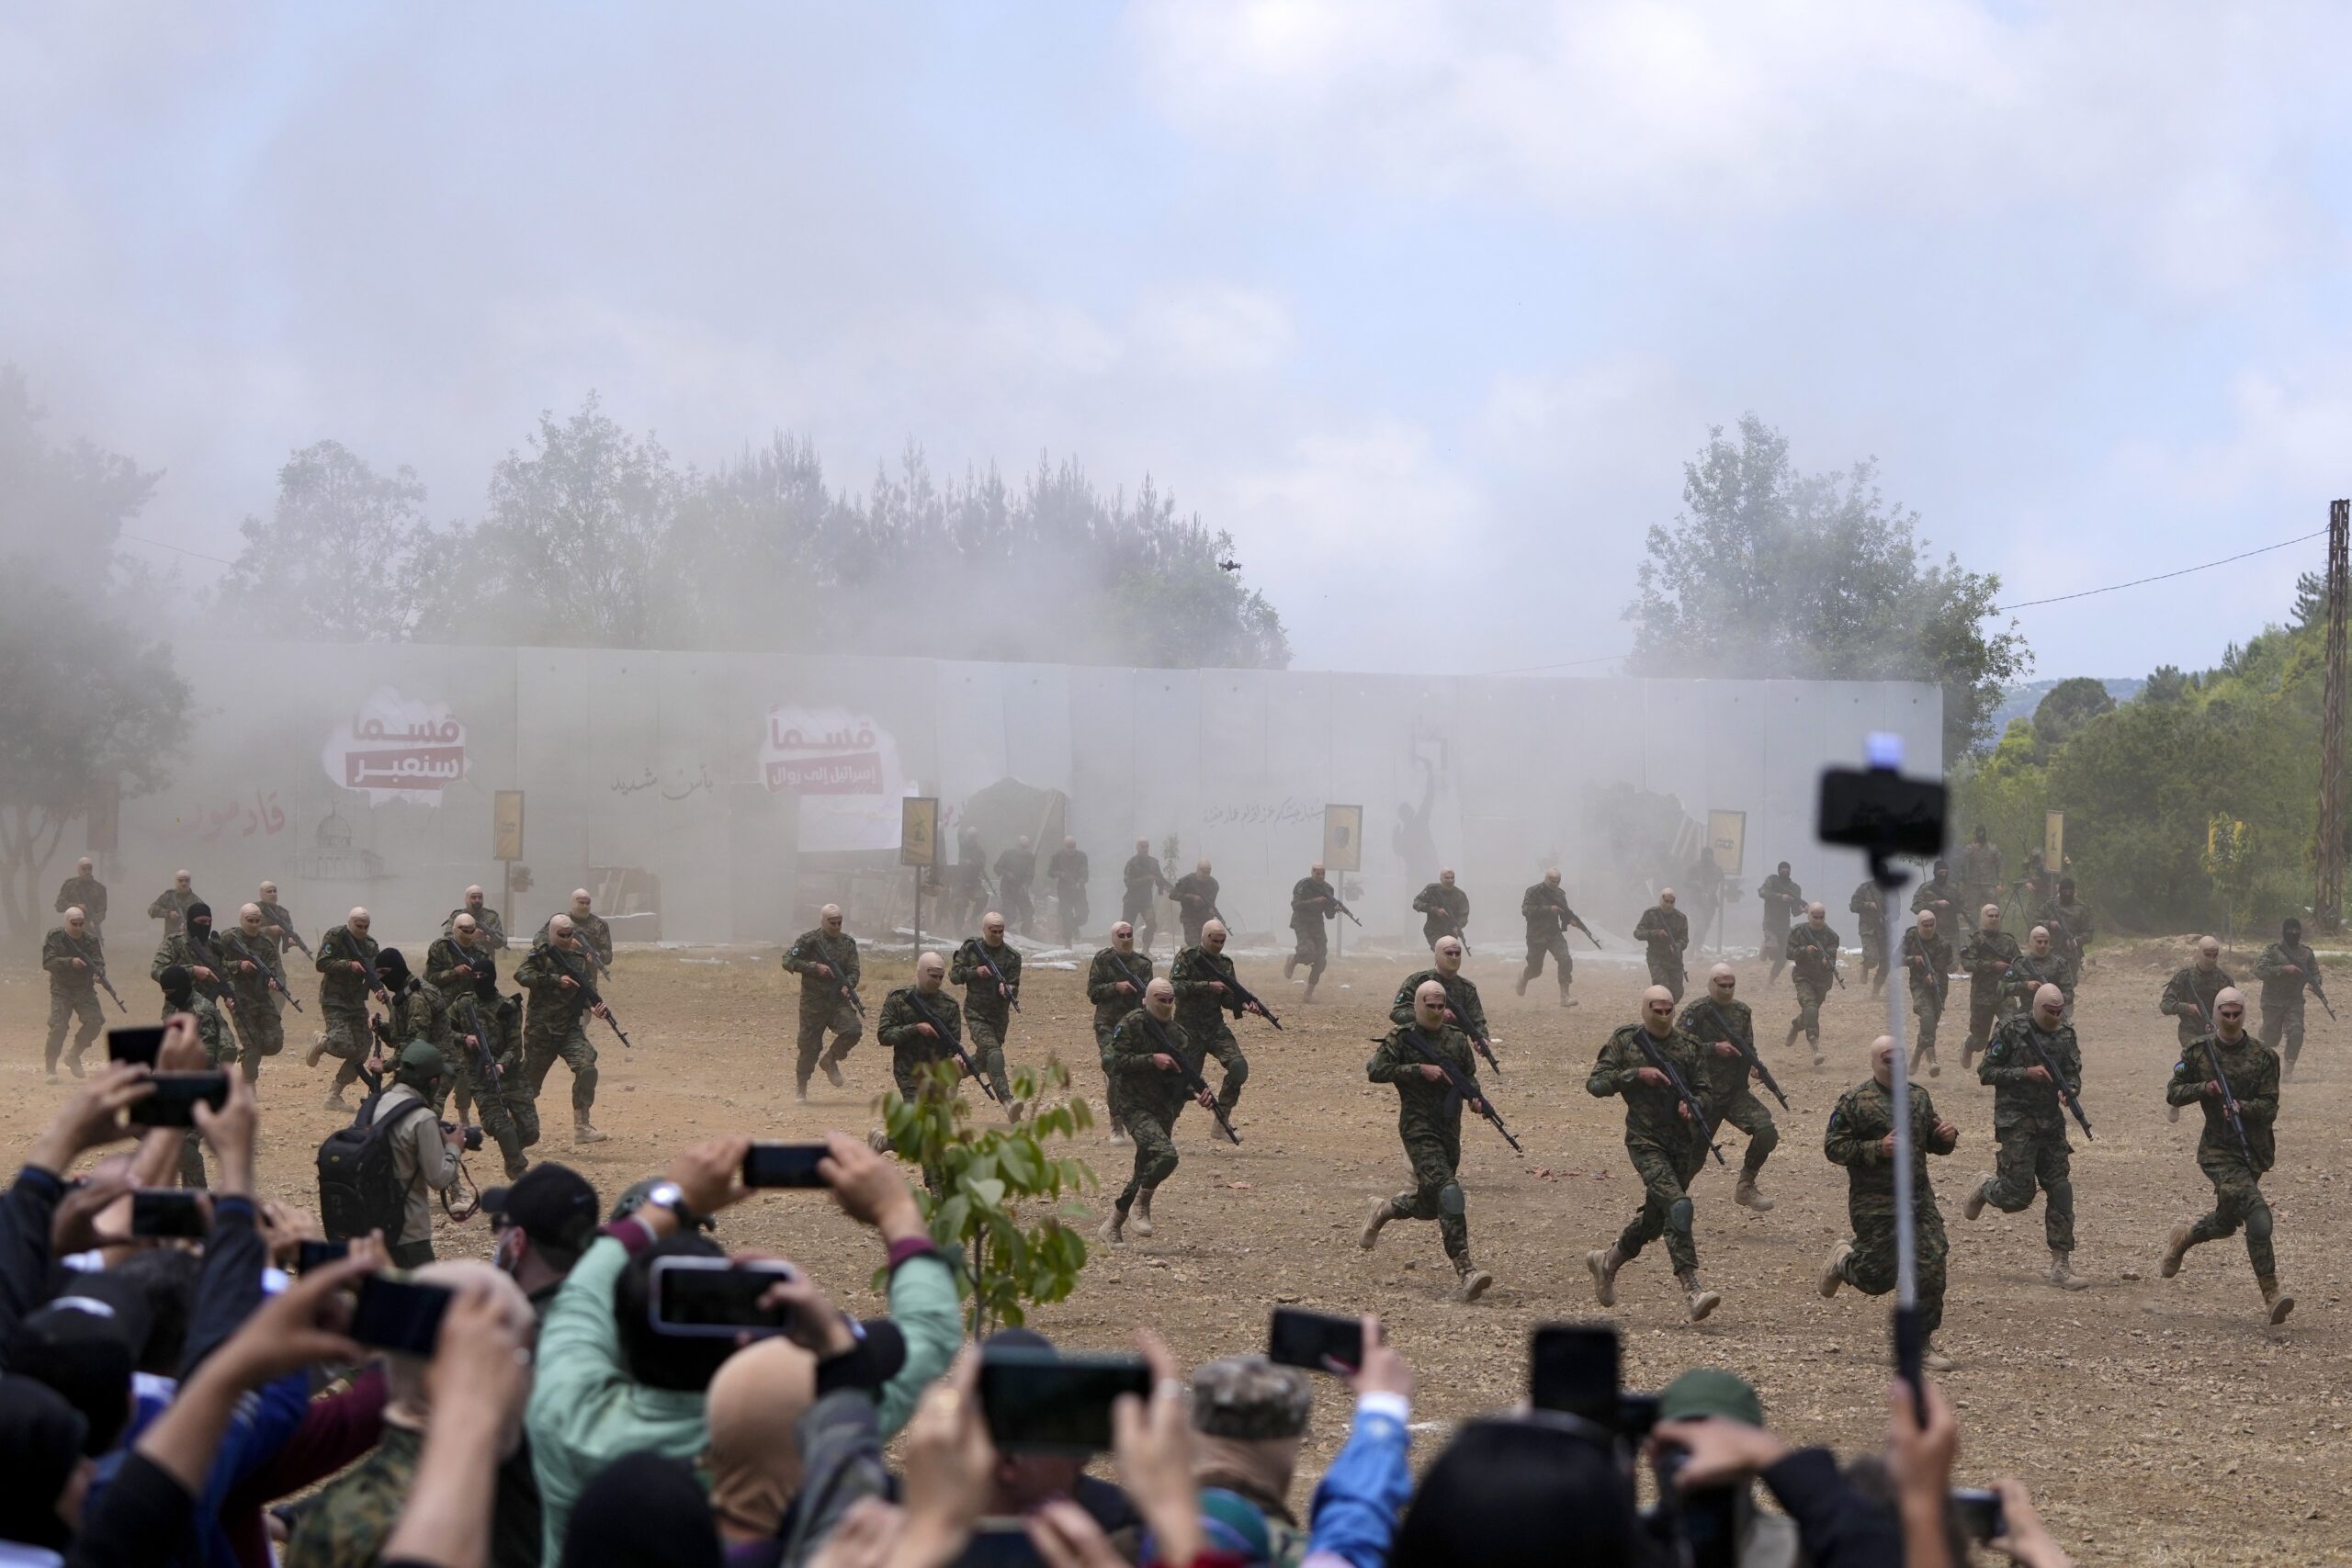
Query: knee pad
[(1678, 1216), (1767, 1139), (2258, 1222), (1449, 1200), (845, 1038)]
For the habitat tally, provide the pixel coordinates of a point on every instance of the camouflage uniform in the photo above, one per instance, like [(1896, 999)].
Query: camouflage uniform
[(1931, 984), (347, 1525), (1545, 909), (88, 895), (1153, 1098), (1667, 1148), (73, 993), (276, 915), (1783, 898), (1201, 1012), (2253, 1069), (171, 908), (900, 1028), (1723, 1089), (1067, 871), (2030, 1125), (1445, 911), (2029, 974), (1864, 1116), (343, 999), (493, 927), (1938, 894), (219, 1050), (1016, 873), (822, 1003), (186, 951), (2189, 1002), (1460, 999), (1813, 969), (490, 1078), (988, 1014), (1990, 957), (592, 931), (1979, 869), (1870, 917), (1195, 894), (2069, 933), (1307, 920), (1112, 1004), (1139, 903), (1429, 1120), (1666, 933), (2282, 995), (259, 1024), (556, 1024)]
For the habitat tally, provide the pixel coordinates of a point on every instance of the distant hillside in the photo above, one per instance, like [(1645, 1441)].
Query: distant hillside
[(2018, 702)]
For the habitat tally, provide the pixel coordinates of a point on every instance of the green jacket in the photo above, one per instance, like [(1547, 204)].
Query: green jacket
[(541, 973), (1652, 1111), (2029, 974), (1859, 1126), (1445, 911), (1150, 1088), (1932, 974), (1103, 977), (1812, 952), (180, 948), (336, 952), (590, 928), (417, 1012), (441, 962), (1423, 1106), (2187, 1001), (85, 893), (346, 1525), (2280, 989), (1666, 933), (1311, 899), (2253, 1069), (820, 996), (1702, 1019), (1460, 995), (901, 1025), (1197, 1007), (584, 1411), (58, 952), (1984, 950), (2019, 1104), (236, 949), (1545, 909), (494, 927), (981, 998)]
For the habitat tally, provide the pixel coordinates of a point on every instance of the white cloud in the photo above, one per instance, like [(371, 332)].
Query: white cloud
[(1213, 329)]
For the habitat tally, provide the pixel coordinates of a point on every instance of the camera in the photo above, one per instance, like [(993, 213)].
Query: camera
[(472, 1135)]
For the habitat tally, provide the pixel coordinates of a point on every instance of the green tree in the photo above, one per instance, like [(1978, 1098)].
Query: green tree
[(1772, 572), (332, 563), (997, 1200), (2065, 708)]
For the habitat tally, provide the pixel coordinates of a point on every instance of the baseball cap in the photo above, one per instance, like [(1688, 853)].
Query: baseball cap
[(1706, 1390), (552, 1204)]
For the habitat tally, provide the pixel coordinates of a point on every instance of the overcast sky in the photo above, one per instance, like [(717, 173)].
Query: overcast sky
[(1426, 303)]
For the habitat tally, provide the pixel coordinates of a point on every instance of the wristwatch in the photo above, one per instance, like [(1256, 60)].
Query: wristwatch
[(671, 1196)]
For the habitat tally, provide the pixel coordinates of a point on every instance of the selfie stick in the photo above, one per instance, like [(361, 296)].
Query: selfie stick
[(1885, 753)]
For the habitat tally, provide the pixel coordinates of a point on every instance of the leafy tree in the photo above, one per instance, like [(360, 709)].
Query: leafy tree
[(1773, 572), (997, 1200), (2165, 684), (64, 505), (2065, 708), (2311, 600), (331, 564)]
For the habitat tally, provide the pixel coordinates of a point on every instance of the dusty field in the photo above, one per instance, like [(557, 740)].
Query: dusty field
[(2159, 1421)]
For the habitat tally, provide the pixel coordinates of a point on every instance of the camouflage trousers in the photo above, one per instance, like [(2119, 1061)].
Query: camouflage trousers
[(1811, 994), (1870, 1266), (1666, 1209), (2036, 1159), (2285, 1024), (348, 1040), (1928, 1008), (847, 1030), (541, 1047), (1020, 910), (1142, 913), (1227, 1052), (1555, 948), (1984, 1012), (1154, 1132), (1069, 911), (1874, 957), (64, 1006), (508, 1113), (2237, 1201), (1751, 1116), (261, 1030), (984, 1038), (1313, 949), (1115, 1090), (1667, 971), (910, 1064), (1435, 1153)]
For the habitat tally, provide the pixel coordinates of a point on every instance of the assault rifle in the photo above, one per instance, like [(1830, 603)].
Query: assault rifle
[(1462, 1087), (1690, 1101), (2230, 1108), (587, 984), (1478, 1042), (1341, 909), (1004, 987), (841, 979), (482, 1037), (271, 911), (952, 1038), (267, 974), (359, 956), (1197, 1085), (2311, 980), (99, 971), (1747, 1053), (1239, 995), (2072, 1093)]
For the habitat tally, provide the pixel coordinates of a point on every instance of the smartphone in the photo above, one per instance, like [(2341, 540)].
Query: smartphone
[(1574, 1367), (999, 1542), (310, 1255), (175, 1101), (783, 1165), (399, 1314), (1978, 1509), (1882, 812), (710, 1296), (1314, 1340), (1041, 1401), (169, 1212), (139, 1042)]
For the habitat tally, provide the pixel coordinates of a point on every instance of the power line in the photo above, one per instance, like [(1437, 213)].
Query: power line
[(2160, 577), (159, 544)]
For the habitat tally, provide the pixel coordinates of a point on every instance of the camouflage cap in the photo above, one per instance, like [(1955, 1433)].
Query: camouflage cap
[(1248, 1397)]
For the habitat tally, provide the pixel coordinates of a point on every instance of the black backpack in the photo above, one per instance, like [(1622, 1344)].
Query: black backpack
[(360, 1185)]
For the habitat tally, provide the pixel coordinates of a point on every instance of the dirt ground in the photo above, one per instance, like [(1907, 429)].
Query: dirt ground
[(2157, 1421)]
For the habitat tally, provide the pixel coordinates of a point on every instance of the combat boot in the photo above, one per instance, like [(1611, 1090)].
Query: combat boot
[(318, 1048), (1383, 1210), (1789, 1044), (1814, 1041), (2062, 1271), (2177, 1249), (1115, 1229), (73, 1061), (1747, 1196), (1475, 1281), (831, 1066), (1520, 989), (2172, 1112), (1935, 1360), (1310, 992), (878, 1140), (1012, 1112), (1566, 1000), (800, 1091), (1289, 966), (1701, 1299), (584, 1132), (2280, 1303), (1833, 1269), (1973, 1204), (1604, 1262), (334, 1101), (1143, 1211)]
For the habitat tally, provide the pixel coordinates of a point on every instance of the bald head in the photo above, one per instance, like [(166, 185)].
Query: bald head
[(83, 867), (1882, 1060), (1143, 846), (1213, 936), (1666, 896), (931, 971), (1202, 866), (1316, 871), (1068, 842), (1658, 1010), (474, 896), (1160, 998), (1449, 954), (1552, 876), (1928, 922)]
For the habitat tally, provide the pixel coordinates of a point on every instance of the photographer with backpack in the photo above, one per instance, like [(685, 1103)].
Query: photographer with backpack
[(380, 1172)]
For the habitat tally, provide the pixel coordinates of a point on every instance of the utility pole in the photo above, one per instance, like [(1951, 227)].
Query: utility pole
[(2327, 897)]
